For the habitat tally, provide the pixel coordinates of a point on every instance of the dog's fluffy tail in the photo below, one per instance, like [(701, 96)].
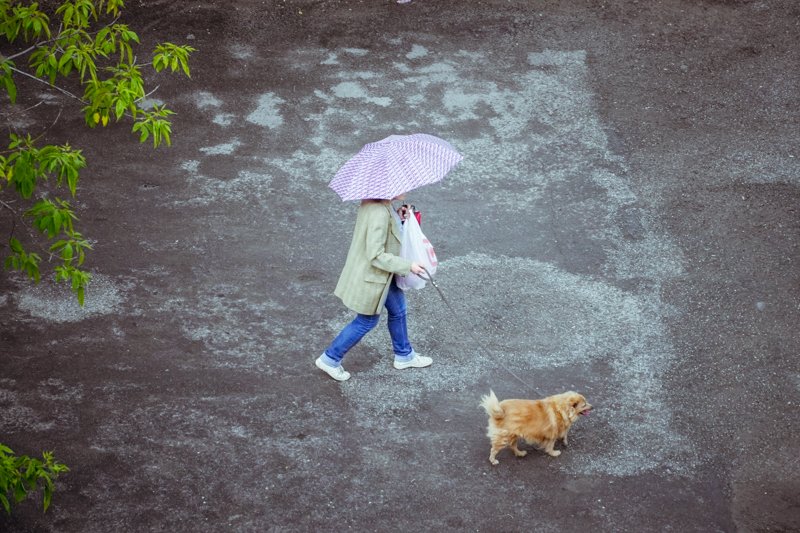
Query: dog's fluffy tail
[(491, 405)]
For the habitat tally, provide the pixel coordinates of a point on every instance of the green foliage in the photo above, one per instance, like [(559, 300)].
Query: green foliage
[(23, 261), (78, 43), (21, 475)]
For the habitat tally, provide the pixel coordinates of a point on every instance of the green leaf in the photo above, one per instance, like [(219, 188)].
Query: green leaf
[(66, 253), (45, 224), (11, 88), (65, 63), (19, 492), (48, 496), (56, 222), (8, 81), (16, 247)]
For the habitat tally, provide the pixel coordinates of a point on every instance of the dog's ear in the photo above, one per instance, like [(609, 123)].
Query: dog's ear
[(573, 407), (573, 403)]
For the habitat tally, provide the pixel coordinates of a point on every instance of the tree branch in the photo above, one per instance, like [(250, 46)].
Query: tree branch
[(60, 110), (78, 98), (13, 219), (56, 87), (56, 38)]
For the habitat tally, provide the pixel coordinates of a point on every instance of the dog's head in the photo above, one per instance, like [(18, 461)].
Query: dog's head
[(575, 404)]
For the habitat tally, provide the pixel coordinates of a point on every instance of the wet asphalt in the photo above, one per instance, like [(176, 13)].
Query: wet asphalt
[(624, 224)]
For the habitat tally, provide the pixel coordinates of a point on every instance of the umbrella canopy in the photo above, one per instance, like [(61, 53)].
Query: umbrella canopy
[(393, 166)]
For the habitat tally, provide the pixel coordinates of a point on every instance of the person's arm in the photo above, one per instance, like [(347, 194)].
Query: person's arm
[(377, 231)]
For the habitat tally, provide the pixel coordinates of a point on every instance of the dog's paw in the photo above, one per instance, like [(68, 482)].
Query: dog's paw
[(494, 461), (520, 453), (554, 453)]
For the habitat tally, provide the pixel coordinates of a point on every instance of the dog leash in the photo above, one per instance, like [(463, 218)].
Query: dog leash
[(469, 330)]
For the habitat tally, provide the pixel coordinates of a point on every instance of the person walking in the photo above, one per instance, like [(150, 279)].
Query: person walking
[(367, 284), (380, 172)]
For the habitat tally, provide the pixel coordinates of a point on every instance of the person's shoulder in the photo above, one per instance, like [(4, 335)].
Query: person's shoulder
[(376, 209)]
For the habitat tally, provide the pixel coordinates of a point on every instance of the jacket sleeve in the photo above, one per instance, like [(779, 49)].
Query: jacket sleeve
[(377, 233)]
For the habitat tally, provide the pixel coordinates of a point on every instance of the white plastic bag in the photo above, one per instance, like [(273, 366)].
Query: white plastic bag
[(416, 247)]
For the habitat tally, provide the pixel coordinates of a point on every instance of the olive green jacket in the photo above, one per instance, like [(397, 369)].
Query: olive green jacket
[(372, 259)]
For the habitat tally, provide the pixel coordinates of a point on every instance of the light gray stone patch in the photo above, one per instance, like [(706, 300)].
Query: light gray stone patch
[(323, 96), (150, 103), (758, 167), (49, 98), (241, 51), (14, 416), (190, 165), (539, 130), (616, 188), (268, 111), (652, 258), (415, 99), (361, 75), (56, 389), (442, 73), (204, 99), (417, 51), (224, 323), (355, 90), (438, 67), (201, 429), (557, 58), (358, 52), (332, 59), (503, 162), (470, 55), (587, 323), (248, 186), (222, 149), (224, 119), (55, 302), (458, 102), (17, 116), (50, 406)]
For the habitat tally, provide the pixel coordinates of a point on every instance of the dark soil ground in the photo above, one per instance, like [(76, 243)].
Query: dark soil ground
[(624, 223)]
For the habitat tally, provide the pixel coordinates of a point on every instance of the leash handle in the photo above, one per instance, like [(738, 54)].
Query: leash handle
[(429, 278)]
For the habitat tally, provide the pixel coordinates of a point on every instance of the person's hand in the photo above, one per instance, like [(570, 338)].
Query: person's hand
[(416, 268), (404, 212)]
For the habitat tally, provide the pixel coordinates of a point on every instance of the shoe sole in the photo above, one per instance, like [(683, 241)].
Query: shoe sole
[(319, 365), (403, 366)]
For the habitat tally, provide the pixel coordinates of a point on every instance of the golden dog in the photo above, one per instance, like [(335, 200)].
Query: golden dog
[(540, 422)]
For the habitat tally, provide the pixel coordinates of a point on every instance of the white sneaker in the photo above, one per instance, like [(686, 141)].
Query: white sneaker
[(419, 361), (336, 372)]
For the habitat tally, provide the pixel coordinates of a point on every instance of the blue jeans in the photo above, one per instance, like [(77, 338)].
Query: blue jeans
[(363, 324)]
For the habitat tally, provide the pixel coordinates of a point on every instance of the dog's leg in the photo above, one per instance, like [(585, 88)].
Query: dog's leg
[(498, 443), (548, 447), (493, 453), (517, 451), (565, 436)]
